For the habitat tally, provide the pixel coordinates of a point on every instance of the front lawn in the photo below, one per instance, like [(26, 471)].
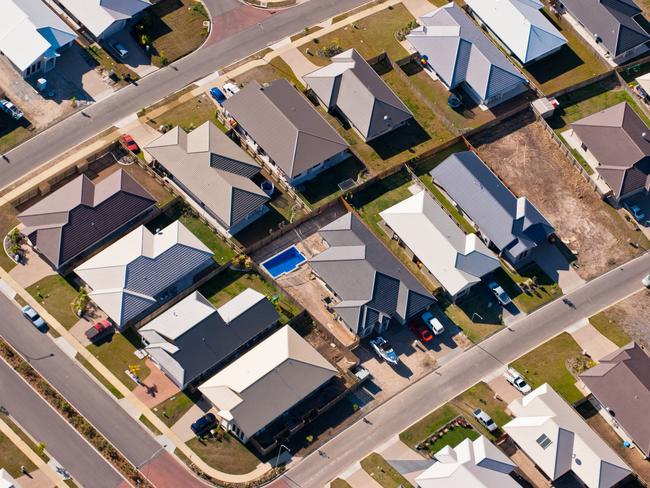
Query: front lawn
[(225, 453), (476, 314), (8, 221), (548, 364), (12, 458), (340, 483), (428, 425), (188, 115), (383, 473), (172, 409), (57, 296), (453, 438), (482, 396), (610, 329), (513, 281), (117, 354)]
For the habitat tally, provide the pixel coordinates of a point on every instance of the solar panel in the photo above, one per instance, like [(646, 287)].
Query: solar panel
[(544, 441)]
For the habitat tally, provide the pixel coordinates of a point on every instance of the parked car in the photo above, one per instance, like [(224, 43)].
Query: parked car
[(485, 420), (432, 323), (217, 94), (421, 331), (384, 350), (204, 424), (120, 50), (646, 281), (99, 331), (129, 143), (516, 380), (230, 89), (500, 293), (34, 318), (636, 212), (13, 111)]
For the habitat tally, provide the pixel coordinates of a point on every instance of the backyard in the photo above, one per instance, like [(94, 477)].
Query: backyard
[(548, 364), (325, 186), (57, 296), (626, 321), (225, 453)]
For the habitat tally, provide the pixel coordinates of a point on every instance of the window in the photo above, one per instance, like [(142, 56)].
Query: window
[(544, 441)]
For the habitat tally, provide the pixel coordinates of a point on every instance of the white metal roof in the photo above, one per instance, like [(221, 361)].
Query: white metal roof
[(238, 305), (6, 481), (29, 29)]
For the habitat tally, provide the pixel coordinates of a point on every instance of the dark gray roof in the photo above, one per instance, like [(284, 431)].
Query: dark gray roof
[(351, 85), (285, 126), (81, 214), (621, 382), (372, 284), (611, 20), (512, 224), (615, 137)]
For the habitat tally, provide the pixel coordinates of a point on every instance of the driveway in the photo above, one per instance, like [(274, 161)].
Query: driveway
[(299, 64), (137, 59), (182, 427), (503, 389), (593, 342), (406, 461), (32, 269), (558, 268), (643, 202), (79, 68), (156, 388)]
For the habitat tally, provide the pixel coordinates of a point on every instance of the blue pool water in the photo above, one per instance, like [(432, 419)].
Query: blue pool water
[(283, 262)]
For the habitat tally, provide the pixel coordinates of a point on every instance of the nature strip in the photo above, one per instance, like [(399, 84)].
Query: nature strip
[(74, 418)]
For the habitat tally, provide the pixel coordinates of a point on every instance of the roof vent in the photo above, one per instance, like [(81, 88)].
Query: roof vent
[(643, 134)]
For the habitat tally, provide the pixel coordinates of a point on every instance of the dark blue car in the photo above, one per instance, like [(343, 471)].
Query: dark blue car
[(204, 424), (217, 95)]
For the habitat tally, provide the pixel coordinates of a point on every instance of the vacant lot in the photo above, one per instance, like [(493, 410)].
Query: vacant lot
[(627, 320), (523, 155)]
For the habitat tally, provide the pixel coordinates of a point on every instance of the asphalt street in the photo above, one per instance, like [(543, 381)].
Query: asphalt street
[(61, 440), (77, 128), (462, 372)]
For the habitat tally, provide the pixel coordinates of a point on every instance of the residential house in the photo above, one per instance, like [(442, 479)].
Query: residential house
[(561, 443), (6, 480), (462, 57), (214, 172), (82, 215), (372, 286), (472, 463), (192, 339), (430, 236), (614, 24), (513, 226), (287, 133), (32, 36), (143, 270), (620, 384), (103, 18), (351, 87), (619, 141), (519, 26), (267, 382)]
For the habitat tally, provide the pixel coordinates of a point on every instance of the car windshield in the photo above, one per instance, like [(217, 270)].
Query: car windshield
[(386, 347), (488, 421), (502, 295), (520, 382), (35, 316)]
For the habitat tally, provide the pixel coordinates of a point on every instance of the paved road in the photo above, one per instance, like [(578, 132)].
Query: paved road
[(77, 128), (62, 441), (125, 433), (464, 371)]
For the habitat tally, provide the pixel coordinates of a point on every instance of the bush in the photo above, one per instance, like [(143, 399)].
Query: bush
[(330, 51), (401, 33)]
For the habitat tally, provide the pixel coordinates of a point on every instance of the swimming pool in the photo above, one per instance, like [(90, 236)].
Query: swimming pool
[(283, 262)]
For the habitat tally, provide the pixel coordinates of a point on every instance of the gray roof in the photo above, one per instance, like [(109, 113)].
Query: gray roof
[(285, 125), (98, 15), (81, 214), (372, 284), (193, 337), (459, 52), (213, 168), (351, 85), (611, 20), (513, 224), (621, 382), (615, 137)]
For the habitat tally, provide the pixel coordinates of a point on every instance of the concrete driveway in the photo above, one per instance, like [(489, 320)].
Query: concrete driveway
[(558, 268), (503, 389), (182, 427), (77, 67), (32, 269), (299, 64), (137, 59), (643, 202), (593, 342)]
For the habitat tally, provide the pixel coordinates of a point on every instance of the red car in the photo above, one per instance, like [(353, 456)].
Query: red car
[(100, 330), (130, 144), (421, 331)]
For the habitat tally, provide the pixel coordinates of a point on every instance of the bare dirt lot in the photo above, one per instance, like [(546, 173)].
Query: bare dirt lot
[(524, 156), (633, 316)]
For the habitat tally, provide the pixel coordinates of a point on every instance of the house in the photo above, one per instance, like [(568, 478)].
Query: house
[(6, 480), (32, 36), (458, 261), (519, 26), (620, 384), (461, 56), (143, 270), (619, 141), (476, 463), (192, 339), (513, 226), (214, 172), (103, 18), (614, 24), (79, 217), (354, 90), (287, 133), (373, 287), (561, 443), (266, 382)]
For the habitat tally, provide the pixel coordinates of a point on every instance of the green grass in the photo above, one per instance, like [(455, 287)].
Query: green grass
[(117, 354), (324, 187), (188, 115), (39, 450), (546, 291), (56, 295), (11, 458), (482, 396), (149, 425), (226, 454), (547, 364), (610, 329), (462, 314), (13, 132), (229, 283), (426, 426), (453, 438), (172, 409), (8, 221), (107, 384), (340, 483), (383, 473), (223, 253)]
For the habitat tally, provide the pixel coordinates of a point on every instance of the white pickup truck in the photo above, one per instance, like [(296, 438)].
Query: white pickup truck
[(516, 380)]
